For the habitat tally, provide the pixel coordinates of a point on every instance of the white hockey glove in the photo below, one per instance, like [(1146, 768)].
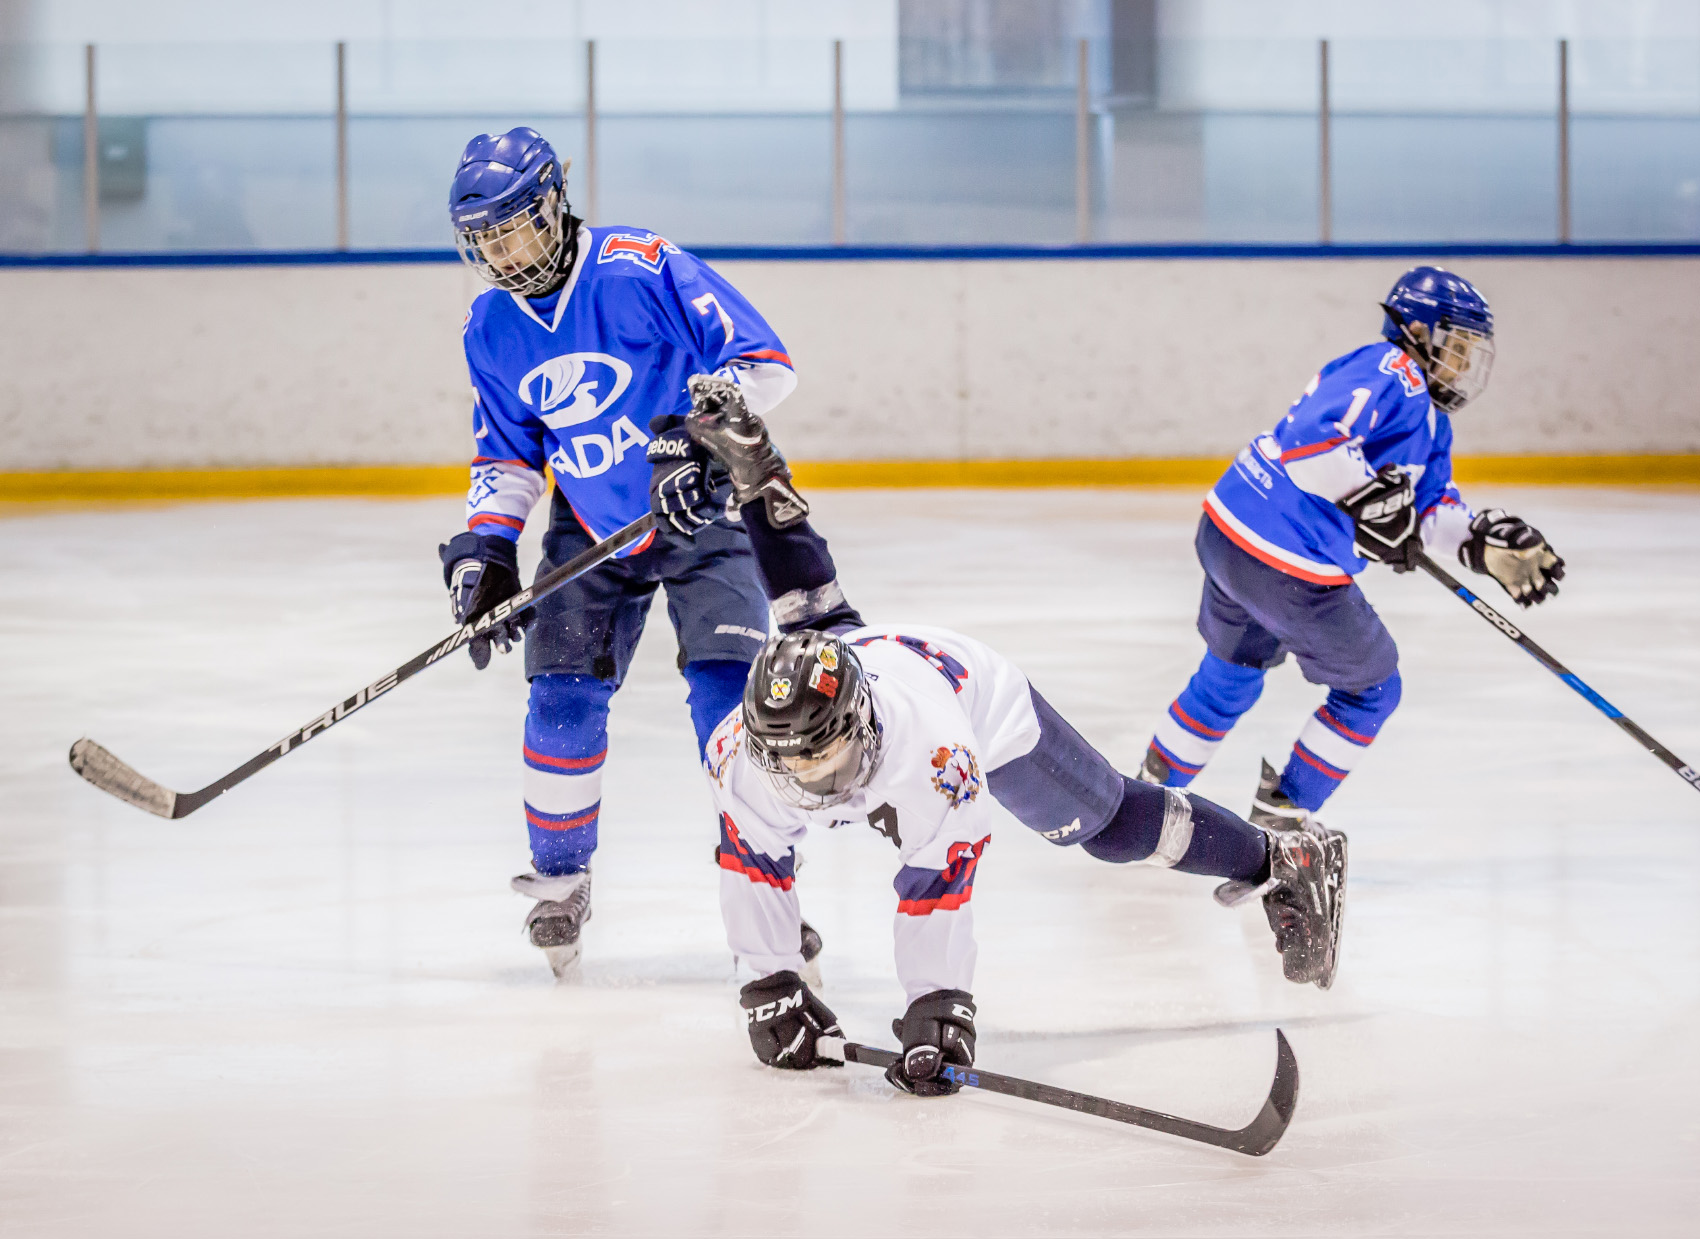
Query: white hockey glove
[(1512, 552)]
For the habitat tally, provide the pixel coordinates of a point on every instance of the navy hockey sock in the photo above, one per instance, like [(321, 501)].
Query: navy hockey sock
[(1206, 838), (716, 689), (1201, 717), (566, 742), (1335, 739), (797, 569)]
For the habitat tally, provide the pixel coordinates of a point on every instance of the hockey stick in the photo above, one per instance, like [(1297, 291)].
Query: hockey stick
[(1684, 771), (1254, 1139), (109, 774)]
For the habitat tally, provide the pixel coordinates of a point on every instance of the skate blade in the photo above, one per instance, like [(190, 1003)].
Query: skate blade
[(1338, 919), (564, 960)]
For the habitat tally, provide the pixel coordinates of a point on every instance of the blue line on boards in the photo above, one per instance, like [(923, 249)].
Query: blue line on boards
[(889, 253)]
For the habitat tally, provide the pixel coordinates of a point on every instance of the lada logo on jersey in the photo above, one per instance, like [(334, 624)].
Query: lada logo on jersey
[(956, 774), (1396, 363), (645, 249), (585, 383)]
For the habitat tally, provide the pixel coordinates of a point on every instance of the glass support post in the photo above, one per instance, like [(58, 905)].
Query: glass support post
[(341, 145), (1325, 149), (590, 211), (1082, 146), (91, 155), (1564, 141), (838, 200)]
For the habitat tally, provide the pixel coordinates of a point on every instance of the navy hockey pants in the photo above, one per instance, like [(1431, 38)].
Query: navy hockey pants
[(580, 646), (1251, 617), (1066, 791)]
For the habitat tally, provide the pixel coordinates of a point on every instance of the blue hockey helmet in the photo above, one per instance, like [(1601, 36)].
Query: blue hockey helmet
[(509, 211), (1446, 326)]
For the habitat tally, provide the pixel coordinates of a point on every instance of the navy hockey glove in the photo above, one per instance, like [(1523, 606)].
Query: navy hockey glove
[(481, 570), (682, 491), (1512, 552), (1384, 519), (786, 1020), (937, 1033)]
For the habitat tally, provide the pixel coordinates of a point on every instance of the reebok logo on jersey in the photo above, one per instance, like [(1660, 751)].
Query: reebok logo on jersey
[(585, 383)]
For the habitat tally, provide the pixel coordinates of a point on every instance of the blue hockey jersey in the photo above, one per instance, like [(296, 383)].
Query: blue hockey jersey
[(1364, 410), (571, 380)]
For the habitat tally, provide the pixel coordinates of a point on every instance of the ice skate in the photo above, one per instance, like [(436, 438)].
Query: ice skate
[(1155, 769), (1304, 898), (1271, 809), (810, 971), (557, 920)]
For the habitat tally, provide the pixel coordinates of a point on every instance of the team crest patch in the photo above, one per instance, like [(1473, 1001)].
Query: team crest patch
[(646, 249), (828, 657), (779, 689), (723, 746), (1396, 363), (956, 775)]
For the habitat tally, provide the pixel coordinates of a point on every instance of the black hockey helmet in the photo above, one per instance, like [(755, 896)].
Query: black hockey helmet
[(809, 719)]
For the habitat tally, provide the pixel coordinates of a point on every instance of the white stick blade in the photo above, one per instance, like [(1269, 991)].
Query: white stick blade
[(117, 779)]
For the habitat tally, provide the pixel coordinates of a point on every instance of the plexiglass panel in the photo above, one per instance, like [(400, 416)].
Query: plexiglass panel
[(949, 138)]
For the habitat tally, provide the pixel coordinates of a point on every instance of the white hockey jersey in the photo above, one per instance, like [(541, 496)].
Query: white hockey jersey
[(950, 711)]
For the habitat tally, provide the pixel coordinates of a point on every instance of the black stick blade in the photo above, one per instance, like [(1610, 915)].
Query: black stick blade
[(1255, 1139), (116, 778), (1265, 1131)]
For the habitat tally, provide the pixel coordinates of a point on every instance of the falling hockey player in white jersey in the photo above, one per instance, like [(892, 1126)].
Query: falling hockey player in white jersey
[(916, 730)]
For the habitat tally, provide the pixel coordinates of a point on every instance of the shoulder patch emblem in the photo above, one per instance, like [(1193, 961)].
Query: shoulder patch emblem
[(956, 774), (1397, 363), (644, 248)]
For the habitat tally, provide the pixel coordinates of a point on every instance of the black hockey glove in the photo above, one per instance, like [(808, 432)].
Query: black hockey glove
[(786, 1020), (480, 571), (1384, 516), (1512, 552), (681, 490), (738, 439), (937, 1033)]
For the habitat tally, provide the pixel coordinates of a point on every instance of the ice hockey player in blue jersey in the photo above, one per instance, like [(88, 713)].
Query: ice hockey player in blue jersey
[(1359, 470), (578, 355)]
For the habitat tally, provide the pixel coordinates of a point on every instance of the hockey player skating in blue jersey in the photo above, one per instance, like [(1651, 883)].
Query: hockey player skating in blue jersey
[(1359, 469), (578, 355)]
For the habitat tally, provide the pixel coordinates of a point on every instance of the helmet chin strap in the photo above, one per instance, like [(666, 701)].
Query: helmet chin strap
[(1418, 350), (570, 225)]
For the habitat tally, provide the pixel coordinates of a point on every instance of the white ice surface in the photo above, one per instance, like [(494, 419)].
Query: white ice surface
[(309, 1010)]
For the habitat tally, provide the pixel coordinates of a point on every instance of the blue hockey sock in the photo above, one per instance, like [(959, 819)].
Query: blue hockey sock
[(1201, 717), (716, 688), (1334, 740), (1206, 839), (566, 742)]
